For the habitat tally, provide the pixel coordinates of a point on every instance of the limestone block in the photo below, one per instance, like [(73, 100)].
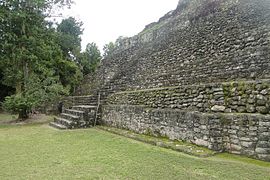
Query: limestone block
[(217, 108)]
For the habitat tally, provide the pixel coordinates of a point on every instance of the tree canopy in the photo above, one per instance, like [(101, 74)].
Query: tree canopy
[(38, 61), (108, 49), (90, 58), (69, 31)]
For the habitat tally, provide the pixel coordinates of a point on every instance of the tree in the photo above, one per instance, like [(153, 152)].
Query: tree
[(90, 58), (108, 49), (69, 40), (69, 73), (27, 53), (69, 37), (38, 91)]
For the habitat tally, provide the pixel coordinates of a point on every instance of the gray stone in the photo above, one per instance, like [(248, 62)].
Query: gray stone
[(263, 144), (264, 123), (262, 109), (262, 150), (251, 109), (264, 92), (251, 100), (234, 147), (261, 102), (188, 62), (228, 110), (217, 108), (241, 109), (247, 144), (201, 142), (265, 157)]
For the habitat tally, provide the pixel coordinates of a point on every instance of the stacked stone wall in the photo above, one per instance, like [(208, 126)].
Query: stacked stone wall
[(236, 97), (231, 44), (201, 74), (247, 134)]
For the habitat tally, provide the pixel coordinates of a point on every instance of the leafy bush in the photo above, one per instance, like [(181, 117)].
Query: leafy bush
[(37, 92), (18, 104)]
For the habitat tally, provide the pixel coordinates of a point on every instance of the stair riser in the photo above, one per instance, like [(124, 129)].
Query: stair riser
[(68, 125), (91, 110), (70, 117), (74, 113), (75, 125), (85, 101), (57, 127), (84, 125)]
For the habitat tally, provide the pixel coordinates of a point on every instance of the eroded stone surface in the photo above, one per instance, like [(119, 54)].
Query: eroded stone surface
[(236, 133), (207, 56)]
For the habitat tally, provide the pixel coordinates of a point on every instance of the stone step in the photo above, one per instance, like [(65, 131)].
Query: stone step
[(80, 116), (85, 108), (85, 100), (70, 117), (58, 126), (74, 112), (84, 124), (65, 122), (86, 103)]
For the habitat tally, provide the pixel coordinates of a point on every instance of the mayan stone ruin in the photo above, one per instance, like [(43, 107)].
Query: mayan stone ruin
[(200, 74)]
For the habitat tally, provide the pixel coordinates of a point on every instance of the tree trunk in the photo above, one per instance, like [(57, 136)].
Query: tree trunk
[(18, 88), (23, 115)]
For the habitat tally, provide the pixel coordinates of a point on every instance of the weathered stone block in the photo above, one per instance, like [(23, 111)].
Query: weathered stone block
[(251, 108), (217, 108), (262, 109), (265, 157), (247, 144), (263, 144), (262, 150)]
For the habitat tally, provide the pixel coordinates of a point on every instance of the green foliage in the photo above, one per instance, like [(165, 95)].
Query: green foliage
[(69, 73), (90, 58), (37, 91), (68, 39), (69, 31), (38, 61), (44, 90), (108, 49), (34, 59), (18, 104)]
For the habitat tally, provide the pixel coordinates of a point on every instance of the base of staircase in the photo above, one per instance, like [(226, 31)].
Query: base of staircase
[(58, 126), (80, 116)]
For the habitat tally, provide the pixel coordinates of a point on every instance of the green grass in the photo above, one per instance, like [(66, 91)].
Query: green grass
[(5, 117), (180, 146), (40, 152)]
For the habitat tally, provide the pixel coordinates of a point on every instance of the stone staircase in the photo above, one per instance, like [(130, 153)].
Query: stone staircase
[(82, 113)]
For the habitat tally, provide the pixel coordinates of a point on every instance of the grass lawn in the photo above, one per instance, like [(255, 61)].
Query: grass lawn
[(5, 117), (40, 152)]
